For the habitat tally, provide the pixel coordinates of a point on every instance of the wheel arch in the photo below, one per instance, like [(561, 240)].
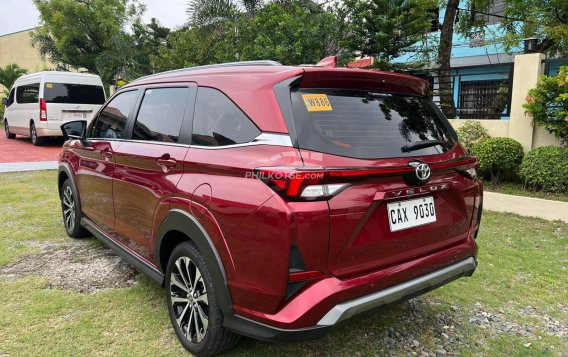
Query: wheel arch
[(64, 172), (180, 226)]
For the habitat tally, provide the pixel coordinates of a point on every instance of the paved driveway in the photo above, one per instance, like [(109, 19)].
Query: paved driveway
[(22, 150)]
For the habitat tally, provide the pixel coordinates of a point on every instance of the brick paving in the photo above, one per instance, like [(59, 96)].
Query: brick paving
[(21, 149)]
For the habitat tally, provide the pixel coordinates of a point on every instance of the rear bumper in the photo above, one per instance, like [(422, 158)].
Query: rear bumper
[(414, 287), (48, 132), (346, 310)]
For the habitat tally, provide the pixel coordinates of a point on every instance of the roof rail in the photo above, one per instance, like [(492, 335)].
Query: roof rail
[(220, 65)]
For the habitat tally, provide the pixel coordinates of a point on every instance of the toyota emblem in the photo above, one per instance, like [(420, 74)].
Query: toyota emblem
[(422, 172)]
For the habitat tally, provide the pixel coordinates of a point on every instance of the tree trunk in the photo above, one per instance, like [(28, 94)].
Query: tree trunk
[(444, 55)]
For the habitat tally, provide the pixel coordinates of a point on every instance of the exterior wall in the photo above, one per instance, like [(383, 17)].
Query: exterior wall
[(16, 48), (495, 128), (520, 127)]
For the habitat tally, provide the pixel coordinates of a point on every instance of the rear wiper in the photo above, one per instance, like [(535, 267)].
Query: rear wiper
[(417, 145)]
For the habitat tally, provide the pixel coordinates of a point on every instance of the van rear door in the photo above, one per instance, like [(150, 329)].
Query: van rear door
[(71, 101)]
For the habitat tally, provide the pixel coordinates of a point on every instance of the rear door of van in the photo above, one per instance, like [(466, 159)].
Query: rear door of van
[(70, 98)]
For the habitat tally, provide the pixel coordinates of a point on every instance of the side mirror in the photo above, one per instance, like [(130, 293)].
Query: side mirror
[(5, 101), (75, 129)]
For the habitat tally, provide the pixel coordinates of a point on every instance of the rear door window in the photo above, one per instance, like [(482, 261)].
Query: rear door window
[(28, 93), (367, 125), (66, 93), (111, 122), (219, 122), (161, 115)]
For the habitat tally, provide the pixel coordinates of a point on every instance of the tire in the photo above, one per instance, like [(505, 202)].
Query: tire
[(71, 213), (7, 131), (36, 140), (187, 273)]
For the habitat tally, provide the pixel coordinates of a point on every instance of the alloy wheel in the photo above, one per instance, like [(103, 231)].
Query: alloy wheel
[(188, 297), (68, 208)]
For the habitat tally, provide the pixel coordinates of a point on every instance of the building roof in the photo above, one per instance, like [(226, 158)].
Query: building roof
[(361, 63)]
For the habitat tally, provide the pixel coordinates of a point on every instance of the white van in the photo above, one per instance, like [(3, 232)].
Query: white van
[(40, 103)]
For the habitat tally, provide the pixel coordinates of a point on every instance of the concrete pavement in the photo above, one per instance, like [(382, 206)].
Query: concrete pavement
[(526, 206), (27, 166)]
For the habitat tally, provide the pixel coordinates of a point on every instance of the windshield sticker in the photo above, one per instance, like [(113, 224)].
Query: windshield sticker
[(49, 85), (317, 103)]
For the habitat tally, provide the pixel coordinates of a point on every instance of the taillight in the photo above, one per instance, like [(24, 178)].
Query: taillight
[(42, 110)]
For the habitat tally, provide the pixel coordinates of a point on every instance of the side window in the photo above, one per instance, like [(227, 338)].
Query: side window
[(11, 96), (28, 93), (219, 122), (111, 122), (161, 115)]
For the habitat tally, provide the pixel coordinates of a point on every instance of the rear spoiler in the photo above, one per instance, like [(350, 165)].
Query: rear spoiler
[(388, 82)]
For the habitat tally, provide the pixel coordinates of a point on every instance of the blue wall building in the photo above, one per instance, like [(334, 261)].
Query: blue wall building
[(482, 71)]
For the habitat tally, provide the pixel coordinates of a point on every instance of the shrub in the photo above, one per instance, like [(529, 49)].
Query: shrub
[(498, 156), (546, 168), (470, 133), (547, 104)]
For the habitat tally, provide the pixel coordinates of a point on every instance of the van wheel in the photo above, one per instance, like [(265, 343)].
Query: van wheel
[(192, 303), (71, 212), (36, 140), (7, 130)]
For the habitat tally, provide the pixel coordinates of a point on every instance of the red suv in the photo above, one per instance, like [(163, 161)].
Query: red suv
[(273, 201)]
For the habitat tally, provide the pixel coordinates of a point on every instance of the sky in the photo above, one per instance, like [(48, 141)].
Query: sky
[(18, 15)]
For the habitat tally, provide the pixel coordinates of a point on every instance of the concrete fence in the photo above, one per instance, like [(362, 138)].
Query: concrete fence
[(519, 126)]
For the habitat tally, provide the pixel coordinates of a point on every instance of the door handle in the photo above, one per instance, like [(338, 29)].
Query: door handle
[(106, 154), (169, 163)]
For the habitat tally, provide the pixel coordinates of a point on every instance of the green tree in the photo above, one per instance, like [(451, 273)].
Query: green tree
[(291, 34), (386, 29), (9, 73), (546, 20), (184, 47), (215, 12), (87, 34)]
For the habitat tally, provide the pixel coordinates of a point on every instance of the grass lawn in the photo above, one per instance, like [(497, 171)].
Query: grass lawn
[(514, 305), (517, 189)]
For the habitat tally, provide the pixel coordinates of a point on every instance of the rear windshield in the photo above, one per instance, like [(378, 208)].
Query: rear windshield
[(73, 93), (368, 125)]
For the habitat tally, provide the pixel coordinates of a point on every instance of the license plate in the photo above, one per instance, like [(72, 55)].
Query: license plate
[(411, 213), (76, 115)]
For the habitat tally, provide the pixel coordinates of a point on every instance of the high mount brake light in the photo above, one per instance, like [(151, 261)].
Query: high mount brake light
[(322, 183)]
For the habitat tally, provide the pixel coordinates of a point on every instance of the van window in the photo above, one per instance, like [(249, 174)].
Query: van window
[(219, 122), (28, 93), (367, 125), (11, 96), (111, 122), (161, 115), (73, 93)]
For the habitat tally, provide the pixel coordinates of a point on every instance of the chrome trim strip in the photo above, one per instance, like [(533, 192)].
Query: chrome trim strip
[(395, 293), (263, 139)]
